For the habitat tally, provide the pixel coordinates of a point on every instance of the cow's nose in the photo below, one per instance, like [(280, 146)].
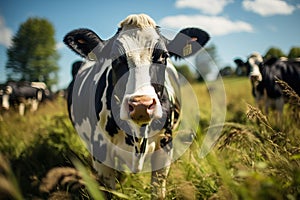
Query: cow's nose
[(254, 77), (141, 109)]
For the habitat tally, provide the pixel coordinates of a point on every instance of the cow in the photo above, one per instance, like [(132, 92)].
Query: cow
[(263, 75), (125, 99), (2, 89), (22, 93)]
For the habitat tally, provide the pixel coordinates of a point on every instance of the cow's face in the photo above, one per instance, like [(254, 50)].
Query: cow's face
[(138, 65), (255, 60), (136, 58), (138, 54)]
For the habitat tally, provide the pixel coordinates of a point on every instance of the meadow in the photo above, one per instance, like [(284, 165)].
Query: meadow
[(255, 157)]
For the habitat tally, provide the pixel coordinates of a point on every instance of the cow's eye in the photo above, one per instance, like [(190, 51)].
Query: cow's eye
[(119, 61), (160, 57), (119, 67)]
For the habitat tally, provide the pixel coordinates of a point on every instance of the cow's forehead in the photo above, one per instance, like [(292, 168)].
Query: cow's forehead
[(137, 39)]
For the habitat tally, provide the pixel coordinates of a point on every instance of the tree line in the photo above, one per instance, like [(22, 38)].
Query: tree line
[(277, 53)]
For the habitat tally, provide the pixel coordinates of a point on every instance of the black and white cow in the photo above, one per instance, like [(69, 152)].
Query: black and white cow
[(125, 100), (2, 89), (22, 93), (263, 76)]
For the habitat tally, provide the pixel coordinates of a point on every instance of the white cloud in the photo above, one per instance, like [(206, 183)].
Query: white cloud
[(212, 7), (5, 33), (268, 7), (214, 25)]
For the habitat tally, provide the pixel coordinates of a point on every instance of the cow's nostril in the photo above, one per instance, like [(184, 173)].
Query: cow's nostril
[(130, 108), (254, 77), (152, 105)]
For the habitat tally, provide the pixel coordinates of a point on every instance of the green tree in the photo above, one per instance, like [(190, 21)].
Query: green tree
[(274, 52), (226, 71), (33, 55), (294, 52)]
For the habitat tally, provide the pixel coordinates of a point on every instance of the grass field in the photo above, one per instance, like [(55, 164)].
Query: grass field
[(254, 158)]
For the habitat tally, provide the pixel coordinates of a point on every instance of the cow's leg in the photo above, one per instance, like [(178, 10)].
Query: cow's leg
[(268, 104), (5, 101), (160, 173), (22, 108), (279, 103), (34, 105), (107, 176), (158, 182)]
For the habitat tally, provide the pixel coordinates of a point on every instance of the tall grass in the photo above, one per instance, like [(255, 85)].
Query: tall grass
[(252, 159)]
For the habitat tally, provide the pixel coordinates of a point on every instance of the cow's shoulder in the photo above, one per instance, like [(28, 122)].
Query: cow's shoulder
[(271, 61)]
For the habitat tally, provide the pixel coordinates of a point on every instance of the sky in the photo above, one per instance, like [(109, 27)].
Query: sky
[(237, 28)]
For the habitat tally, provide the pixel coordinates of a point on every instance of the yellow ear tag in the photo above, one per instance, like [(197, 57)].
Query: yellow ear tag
[(187, 49), (92, 56)]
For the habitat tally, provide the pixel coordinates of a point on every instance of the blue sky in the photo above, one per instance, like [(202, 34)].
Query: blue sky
[(237, 28)]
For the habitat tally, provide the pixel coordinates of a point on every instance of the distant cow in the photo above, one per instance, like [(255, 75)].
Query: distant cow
[(125, 99), (2, 89), (263, 76), (22, 93), (242, 68)]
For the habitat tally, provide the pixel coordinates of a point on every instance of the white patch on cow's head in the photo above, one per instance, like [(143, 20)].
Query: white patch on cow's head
[(137, 42), (138, 21), (5, 98), (8, 90), (254, 61)]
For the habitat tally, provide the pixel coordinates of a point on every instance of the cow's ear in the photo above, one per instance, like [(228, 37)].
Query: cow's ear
[(83, 42), (239, 62), (187, 42)]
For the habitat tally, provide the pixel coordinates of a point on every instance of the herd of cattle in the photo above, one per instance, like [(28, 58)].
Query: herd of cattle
[(23, 94), (124, 99)]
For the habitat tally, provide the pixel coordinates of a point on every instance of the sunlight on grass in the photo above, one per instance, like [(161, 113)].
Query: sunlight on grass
[(254, 158)]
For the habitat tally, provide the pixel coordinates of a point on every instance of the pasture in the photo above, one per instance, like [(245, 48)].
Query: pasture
[(256, 157)]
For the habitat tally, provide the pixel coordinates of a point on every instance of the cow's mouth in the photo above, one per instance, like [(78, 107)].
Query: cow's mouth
[(254, 78)]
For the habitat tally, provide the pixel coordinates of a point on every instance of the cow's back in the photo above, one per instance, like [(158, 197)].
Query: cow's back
[(291, 74), (286, 70)]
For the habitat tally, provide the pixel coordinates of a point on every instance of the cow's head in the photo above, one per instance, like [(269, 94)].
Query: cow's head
[(255, 64), (139, 55), (255, 61)]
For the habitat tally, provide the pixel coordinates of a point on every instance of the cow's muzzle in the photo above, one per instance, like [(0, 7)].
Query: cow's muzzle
[(255, 78), (142, 109)]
